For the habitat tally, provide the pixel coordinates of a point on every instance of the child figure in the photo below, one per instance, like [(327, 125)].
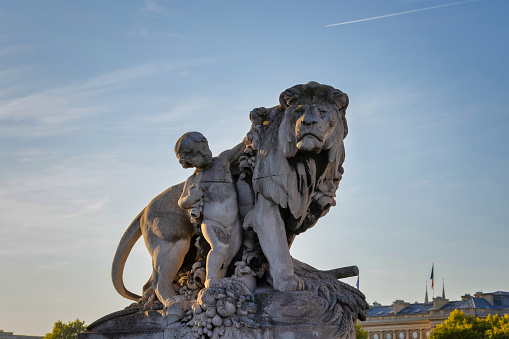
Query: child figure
[(210, 193)]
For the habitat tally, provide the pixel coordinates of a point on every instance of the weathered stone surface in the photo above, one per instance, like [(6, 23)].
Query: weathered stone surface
[(307, 331), (220, 241), (297, 314)]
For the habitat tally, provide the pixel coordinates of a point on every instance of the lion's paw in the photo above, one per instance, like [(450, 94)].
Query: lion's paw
[(213, 283), (291, 283), (153, 305)]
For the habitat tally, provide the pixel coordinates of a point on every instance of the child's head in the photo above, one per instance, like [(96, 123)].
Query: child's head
[(192, 150)]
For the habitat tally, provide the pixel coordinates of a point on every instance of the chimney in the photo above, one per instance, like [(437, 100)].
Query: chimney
[(399, 305), (488, 296), (439, 303)]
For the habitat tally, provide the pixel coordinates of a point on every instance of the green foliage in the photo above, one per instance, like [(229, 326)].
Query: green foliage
[(461, 326), (360, 333), (66, 331)]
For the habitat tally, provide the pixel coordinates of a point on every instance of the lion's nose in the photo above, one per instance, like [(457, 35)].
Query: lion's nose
[(309, 118)]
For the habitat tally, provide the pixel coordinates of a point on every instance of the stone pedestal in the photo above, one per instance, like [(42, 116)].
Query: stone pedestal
[(240, 309), (266, 332), (153, 325), (281, 315)]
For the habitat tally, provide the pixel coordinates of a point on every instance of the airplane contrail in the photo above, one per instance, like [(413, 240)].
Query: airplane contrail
[(401, 13)]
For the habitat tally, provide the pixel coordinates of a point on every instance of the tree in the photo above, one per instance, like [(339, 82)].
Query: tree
[(360, 333), (66, 331), (462, 326)]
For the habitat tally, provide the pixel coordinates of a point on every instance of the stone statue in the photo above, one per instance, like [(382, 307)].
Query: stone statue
[(220, 242)]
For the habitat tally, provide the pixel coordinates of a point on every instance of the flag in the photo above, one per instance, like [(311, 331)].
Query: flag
[(357, 282), (432, 268)]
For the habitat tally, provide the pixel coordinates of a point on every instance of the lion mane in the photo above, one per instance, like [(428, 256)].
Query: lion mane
[(302, 182)]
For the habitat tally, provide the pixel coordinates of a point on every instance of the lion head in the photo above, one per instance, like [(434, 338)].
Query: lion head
[(314, 120), (299, 152)]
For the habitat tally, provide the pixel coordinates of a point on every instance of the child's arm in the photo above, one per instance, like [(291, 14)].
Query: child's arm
[(190, 194), (235, 153)]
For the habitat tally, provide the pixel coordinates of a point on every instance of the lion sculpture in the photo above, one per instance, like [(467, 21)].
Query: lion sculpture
[(297, 170), (290, 173)]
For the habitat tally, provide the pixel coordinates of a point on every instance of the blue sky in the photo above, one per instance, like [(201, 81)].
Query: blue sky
[(94, 95)]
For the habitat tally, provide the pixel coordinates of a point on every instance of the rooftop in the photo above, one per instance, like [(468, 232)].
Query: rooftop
[(468, 302)]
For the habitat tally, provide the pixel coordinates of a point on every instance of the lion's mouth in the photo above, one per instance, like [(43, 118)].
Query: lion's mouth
[(309, 135), (309, 142)]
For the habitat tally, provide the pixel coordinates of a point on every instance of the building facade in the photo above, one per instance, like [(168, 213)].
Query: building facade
[(10, 335), (403, 320)]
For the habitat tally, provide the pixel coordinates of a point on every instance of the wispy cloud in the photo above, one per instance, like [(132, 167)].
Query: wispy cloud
[(4, 51), (138, 33), (153, 8), (9, 77), (47, 108), (87, 207), (401, 13), (117, 79), (141, 33), (40, 112)]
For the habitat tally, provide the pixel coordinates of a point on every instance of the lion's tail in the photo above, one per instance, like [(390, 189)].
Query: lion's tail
[(131, 235)]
